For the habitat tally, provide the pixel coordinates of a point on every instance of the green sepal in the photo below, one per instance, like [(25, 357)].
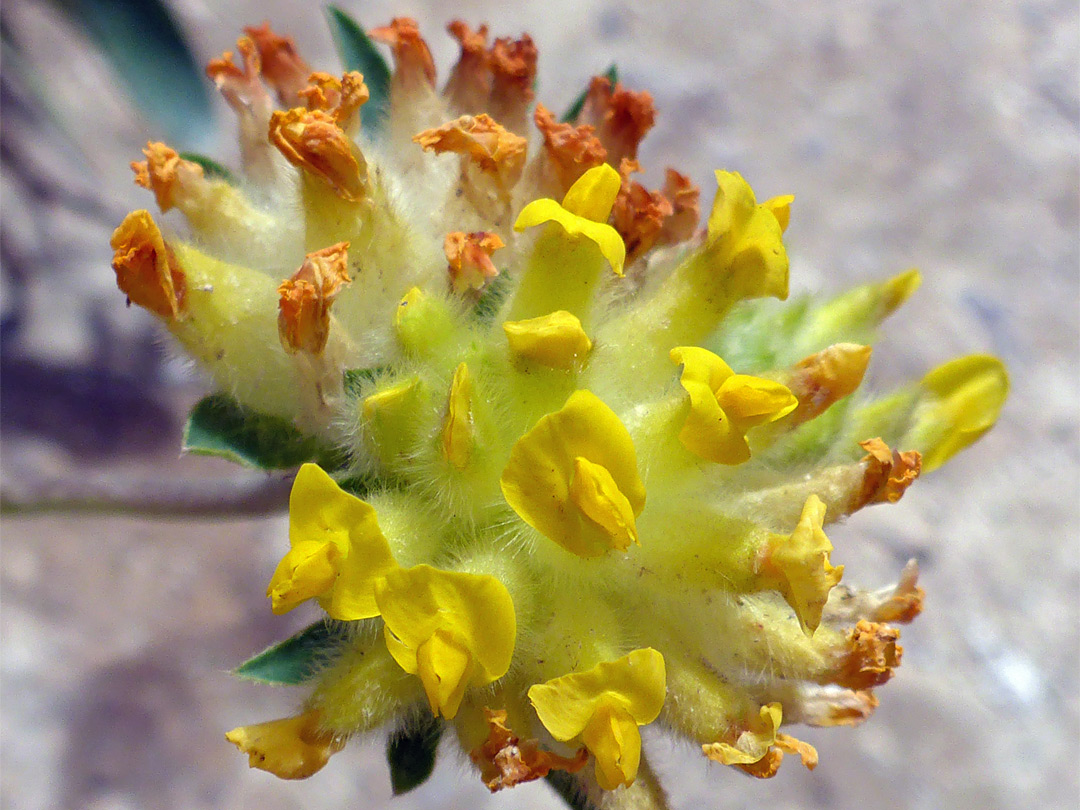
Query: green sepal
[(574, 110), (220, 426), (211, 168), (410, 753), (356, 379), (358, 52), (491, 299), (296, 659)]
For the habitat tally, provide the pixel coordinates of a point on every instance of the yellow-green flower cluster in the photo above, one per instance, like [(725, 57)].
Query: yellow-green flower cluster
[(574, 472)]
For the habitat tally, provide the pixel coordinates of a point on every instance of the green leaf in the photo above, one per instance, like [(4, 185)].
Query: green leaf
[(354, 379), (358, 52), (574, 110), (411, 754), (296, 659), (148, 52), (211, 168), (495, 292), (219, 426)]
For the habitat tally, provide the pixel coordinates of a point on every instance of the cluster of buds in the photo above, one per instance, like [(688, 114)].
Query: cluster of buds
[(574, 469)]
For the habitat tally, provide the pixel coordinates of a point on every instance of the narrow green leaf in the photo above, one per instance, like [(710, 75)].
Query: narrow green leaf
[(358, 52), (219, 426), (411, 754), (294, 660), (574, 110), (148, 52), (211, 168)]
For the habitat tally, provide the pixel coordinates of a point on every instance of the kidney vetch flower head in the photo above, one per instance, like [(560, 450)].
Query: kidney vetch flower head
[(567, 468)]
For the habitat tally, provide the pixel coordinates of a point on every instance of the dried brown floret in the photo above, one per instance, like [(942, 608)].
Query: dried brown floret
[(240, 86), (505, 760), (888, 474), (470, 81), (513, 65), (282, 66), (413, 65), (685, 199), (906, 600), (496, 150), (638, 214), (312, 140), (825, 377), (621, 117), (469, 257), (146, 270), (164, 173), (304, 300), (572, 150), (871, 656)]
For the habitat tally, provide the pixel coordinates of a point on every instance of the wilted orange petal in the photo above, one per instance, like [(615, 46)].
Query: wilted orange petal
[(304, 300), (487, 143), (513, 64), (146, 271), (469, 84), (282, 66), (685, 199), (413, 65), (621, 117), (572, 150), (870, 657), (906, 600), (823, 378), (505, 760), (166, 174), (241, 86), (469, 257), (888, 474), (638, 214), (313, 141)]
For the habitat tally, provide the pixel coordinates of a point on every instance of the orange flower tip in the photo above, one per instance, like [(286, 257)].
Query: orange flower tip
[(281, 64), (638, 214), (290, 748), (871, 654), (313, 140), (469, 258), (146, 269), (888, 474), (473, 43), (513, 62), (341, 98), (469, 85), (572, 150), (304, 300), (757, 746), (165, 174), (493, 148), (621, 117), (824, 378), (905, 602), (413, 65), (505, 760), (241, 86), (685, 198)]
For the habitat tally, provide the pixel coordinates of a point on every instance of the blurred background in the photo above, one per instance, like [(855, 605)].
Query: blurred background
[(942, 135)]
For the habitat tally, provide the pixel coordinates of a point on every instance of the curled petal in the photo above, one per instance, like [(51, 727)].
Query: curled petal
[(638, 214), (888, 474), (161, 173), (506, 760), (304, 300), (538, 481), (341, 98), (470, 81), (469, 258), (413, 65), (760, 748), (308, 571), (146, 270), (572, 150), (453, 629), (871, 654), (556, 340), (282, 66), (513, 66), (312, 140), (685, 198), (799, 565), (241, 86), (595, 493), (487, 143), (289, 748), (780, 207)]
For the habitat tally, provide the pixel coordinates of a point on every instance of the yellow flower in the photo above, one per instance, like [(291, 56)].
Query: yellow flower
[(759, 749), (556, 340), (453, 629), (584, 212), (338, 550), (798, 565), (604, 706), (289, 748), (574, 478), (724, 405), (458, 435)]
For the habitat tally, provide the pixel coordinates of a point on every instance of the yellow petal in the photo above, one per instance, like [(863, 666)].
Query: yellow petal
[(445, 667), (307, 571), (537, 479), (749, 238), (780, 207), (967, 396), (637, 683), (473, 612), (708, 432), (556, 340), (457, 435), (606, 237), (289, 748), (321, 512), (752, 401), (753, 743), (802, 562), (613, 738), (595, 493), (592, 195)]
